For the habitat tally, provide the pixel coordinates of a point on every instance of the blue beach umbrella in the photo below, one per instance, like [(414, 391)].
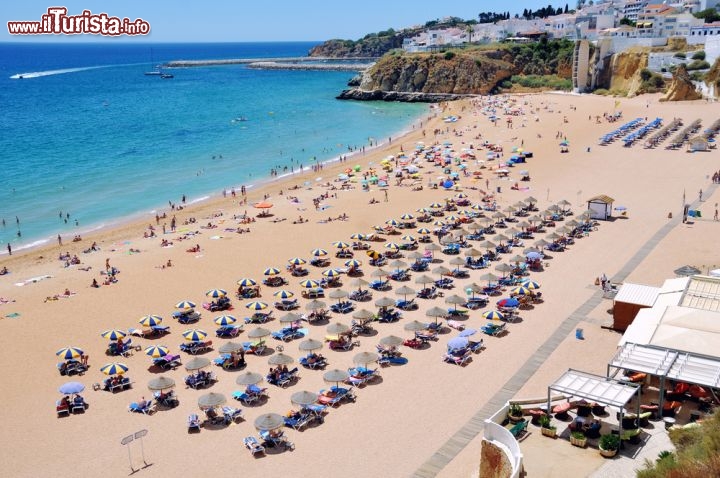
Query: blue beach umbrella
[(67, 353), (319, 252), (271, 271), (353, 263), (185, 304), (194, 335), (297, 261), (341, 245), (156, 351), (246, 282), (521, 291), (256, 305), (493, 315), (508, 302), (216, 293), (114, 334), (467, 333), (331, 273), (530, 284), (71, 387), (457, 343), (283, 294), (309, 284)]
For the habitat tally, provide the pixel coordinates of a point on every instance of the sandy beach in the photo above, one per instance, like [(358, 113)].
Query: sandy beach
[(398, 422)]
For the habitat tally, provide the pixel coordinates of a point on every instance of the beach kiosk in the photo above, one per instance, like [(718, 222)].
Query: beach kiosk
[(600, 207), (698, 143)]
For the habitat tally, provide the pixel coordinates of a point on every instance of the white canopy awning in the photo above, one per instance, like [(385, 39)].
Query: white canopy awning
[(641, 358), (599, 389)]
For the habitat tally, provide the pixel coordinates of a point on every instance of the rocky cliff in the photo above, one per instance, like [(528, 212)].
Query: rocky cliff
[(372, 47), (624, 71), (681, 88), (712, 78)]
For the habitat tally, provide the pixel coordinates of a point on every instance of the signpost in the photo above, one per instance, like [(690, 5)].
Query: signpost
[(138, 435)]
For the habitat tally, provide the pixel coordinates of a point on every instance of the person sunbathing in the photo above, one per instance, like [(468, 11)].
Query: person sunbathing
[(4, 271)]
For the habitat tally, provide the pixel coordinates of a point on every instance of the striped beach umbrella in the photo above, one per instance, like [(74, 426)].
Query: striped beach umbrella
[(194, 335), (185, 304), (216, 293), (256, 305), (423, 230), (435, 205), (392, 245), (521, 290), (223, 320), (297, 261), (353, 263), (331, 273), (150, 320), (114, 368), (392, 222), (341, 244), (407, 217), (319, 252), (530, 284), (423, 210), (408, 238), (67, 353), (439, 223), (271, 271), (283, 294), (493, 315), (156, 351), (358, 236), (114, 334), (452, 218), (246, 282), (309, 284), (461, 195)]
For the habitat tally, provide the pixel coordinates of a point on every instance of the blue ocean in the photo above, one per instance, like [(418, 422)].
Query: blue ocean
[(85, 133)]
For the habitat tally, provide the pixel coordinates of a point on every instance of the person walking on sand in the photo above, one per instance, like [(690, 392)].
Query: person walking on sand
[(700, 195), (59, 240), (9, 250)]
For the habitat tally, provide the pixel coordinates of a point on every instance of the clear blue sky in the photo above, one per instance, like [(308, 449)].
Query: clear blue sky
[(249, 20)]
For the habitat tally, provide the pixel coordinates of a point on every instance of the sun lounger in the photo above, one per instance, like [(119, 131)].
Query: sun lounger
[(342, 307), (259, 318), (145, 408), (460, 357), (360, 295), (284, 379), (276, 439), (379, 285), (313, 293), (390, 360), (253, 445), (186, 317), (62, 409), (231, 414), (71, 366), (252, 394), (287, 304), (298, 420), (254, 348), (287, 334), (320, 362), (336, 395), (428, 293), (444, 283), (493, 329), (454, 324), (195, 348), (406, 304), (389, 316), (228, 331), (168, 361), (193, 422)]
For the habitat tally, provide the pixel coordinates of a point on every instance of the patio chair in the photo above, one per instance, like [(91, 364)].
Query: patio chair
[(253, 445)]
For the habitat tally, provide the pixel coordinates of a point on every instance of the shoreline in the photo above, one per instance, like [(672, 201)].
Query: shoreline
[(107, 226)]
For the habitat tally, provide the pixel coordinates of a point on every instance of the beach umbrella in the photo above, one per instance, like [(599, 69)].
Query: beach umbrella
[(498, 215), (283, 294), (392, 222), (297, 261), (319, 252), (500, 238), (246, 282), (391, 341), (359, 283), (686, 271), (197, 363), (161, 383), (474, 288), (384, 302), (486, 221), (541, 243), (435, 205), (493, 315), (336, 376), (473, 253), (441, 270), (249, 378), (310, 344), (67, 353), (447, 239), (530, 284), (398, 264), (315, 305), (517, 258), (457, 261), (272, 421), (415, 255), (521, 291), (455, 300), (380, 272), (271, 271), (554, 236), (423, 210), (216, 293), (230, 347), (289, 318), (309, 284), (415, 326), (280, 359), (363, 315), (185, 305), (224, 320), (194, 335), (364, 358), (508, 302), (407, 217), (338, 294), (534, 256), (303, 398), (256, 305), (490, 277), (114, 368), (432, 247), (424, 279), (337, 329), (439, 223), (392, 245), (408, 238), (331, 273), (262, 205), (341, 244), (211, 400), (358, 236), (150, 320), (405, 291), (531, 249), (424, 230), (487, 245), (436, 313), (457, 343), (572, 223), (353, 263), (503, 268), (258, 333), (114, 334), (71, 387), (467, 333), (156, 351), (372, 254)]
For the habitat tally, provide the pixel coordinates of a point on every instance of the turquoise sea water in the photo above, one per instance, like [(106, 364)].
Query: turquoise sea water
[(84, 132)]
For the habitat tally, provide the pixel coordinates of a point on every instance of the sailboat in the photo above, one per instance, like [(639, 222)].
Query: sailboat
[(156, 69)]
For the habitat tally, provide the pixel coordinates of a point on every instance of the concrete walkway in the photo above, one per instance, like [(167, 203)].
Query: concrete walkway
[(455, 444)]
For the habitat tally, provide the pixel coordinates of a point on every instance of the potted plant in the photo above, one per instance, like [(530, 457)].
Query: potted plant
[(515, 413), (578, 439), (546, 428), (609, 445)]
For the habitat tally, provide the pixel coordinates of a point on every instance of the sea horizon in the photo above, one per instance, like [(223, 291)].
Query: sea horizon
[(181, 136)]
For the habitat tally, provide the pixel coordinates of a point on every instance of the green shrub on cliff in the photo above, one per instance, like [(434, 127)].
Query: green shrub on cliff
[(551, 82)]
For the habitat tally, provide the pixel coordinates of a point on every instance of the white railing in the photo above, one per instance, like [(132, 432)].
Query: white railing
[(503, 439)]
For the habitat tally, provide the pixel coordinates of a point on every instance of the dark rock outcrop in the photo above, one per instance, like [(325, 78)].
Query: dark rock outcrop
[(371, 47), (404, 96)]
